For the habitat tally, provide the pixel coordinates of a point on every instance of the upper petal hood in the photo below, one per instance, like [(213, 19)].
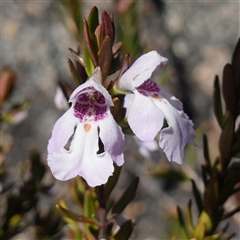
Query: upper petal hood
[(140, 71), (98, 87)]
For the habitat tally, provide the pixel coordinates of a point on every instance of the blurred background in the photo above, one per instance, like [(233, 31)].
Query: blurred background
[(198, 38)]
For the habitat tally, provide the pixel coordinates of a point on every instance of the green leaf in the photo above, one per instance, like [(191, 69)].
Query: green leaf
[(217, 103), (206, 219), (197, 196), (125, 231), (182, 222), (236, 143), (126, 197), (206, 155), (236, 68), (79, 218), (89, 42), (211, 194), (229, 89), (231, 179), (189, 215), (226, 138), (112, 181), (93, 20), (89, 67), (199, 231), (77, 191), (89, 205), (73, 72)]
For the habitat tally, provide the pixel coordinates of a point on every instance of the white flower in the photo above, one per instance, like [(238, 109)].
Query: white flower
[(90, 124), (150, 104)]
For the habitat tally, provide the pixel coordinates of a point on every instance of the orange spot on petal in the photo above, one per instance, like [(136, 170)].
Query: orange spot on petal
[(156, 97), (87, 127)]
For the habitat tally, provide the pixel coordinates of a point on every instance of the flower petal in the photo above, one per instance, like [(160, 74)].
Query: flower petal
[(144, 118), (98, 87), (95, 168), (141, 70), (82, 158), (63, 163), (171, 99), (128, 100), (62, 131), (112, 138), (179, 132)]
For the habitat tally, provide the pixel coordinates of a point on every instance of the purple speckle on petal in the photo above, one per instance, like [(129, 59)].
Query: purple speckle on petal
[(80, 110), (100, 112), (148, 87), (90, 105)]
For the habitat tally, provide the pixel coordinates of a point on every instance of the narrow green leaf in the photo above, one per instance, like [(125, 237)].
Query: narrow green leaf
[(206, 154), (73, 72), (211, 194), (93, 23), (112, 181), (206, 219), (197, 196), (125, 231), (226, 138), (236, 143), (231, 179), (66, 213), (89, 67), (90, 211), (189, 216), (126, 197), (199, 231), (217, 103), (229, 89), (89, 44), (236, 67), (204, 174), (93, 20), (182, 222), (89, 205), (77, 190)]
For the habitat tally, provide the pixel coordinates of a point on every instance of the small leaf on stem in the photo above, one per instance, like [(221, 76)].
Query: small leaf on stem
[(125, 231), (126, 197), (197, 196), (217, 103)]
